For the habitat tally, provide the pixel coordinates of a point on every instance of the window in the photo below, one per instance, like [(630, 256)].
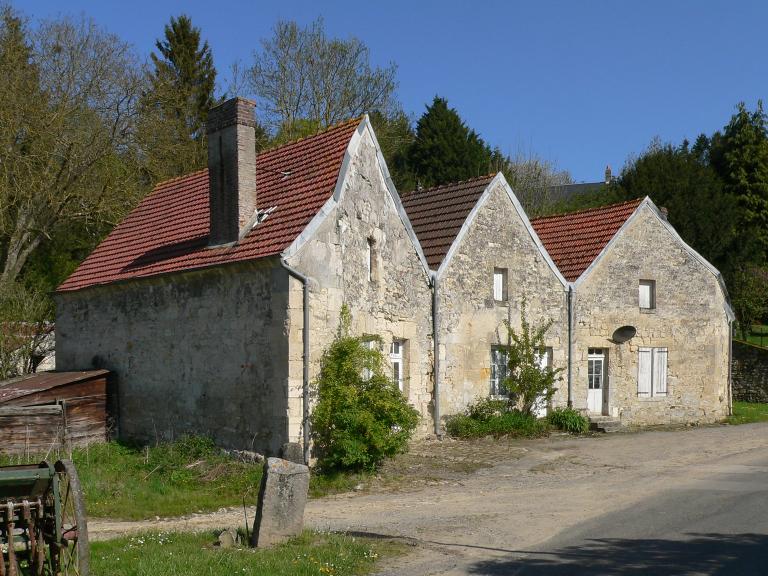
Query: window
[(368, 344), (369, 260), (396, 355), (647, 294), (500, 284), (499, 370), (652, 372)]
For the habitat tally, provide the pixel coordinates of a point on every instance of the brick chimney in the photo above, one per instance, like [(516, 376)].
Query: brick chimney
[(231, 168)]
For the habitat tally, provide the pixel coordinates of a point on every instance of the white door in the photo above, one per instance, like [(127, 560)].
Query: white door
[(596, 376), (541, 406)]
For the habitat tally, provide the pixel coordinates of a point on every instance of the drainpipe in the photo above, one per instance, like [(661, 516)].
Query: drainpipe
[(305, 356), (730, 367), (570, 345), (436, 340)]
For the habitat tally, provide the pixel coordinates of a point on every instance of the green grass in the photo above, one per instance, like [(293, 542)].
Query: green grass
[(569, 420), (172, 479), (758, 335), (177, 554), (746, 412)]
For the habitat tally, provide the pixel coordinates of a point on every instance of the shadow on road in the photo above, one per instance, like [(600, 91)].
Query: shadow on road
[(699, 554)]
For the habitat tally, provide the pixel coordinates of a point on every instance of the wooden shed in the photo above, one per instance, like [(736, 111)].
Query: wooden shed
[(45, 411)]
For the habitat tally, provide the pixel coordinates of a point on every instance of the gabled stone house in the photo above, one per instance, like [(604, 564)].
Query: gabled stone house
[(213, 301), (651, 321), (486, 259), (200, 300)]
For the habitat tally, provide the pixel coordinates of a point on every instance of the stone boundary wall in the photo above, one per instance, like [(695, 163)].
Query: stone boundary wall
[(750, 372)]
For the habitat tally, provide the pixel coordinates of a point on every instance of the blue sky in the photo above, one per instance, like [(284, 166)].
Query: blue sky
[(583, 84)]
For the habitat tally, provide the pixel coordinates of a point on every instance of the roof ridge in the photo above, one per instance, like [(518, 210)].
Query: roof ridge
[(586, 210), (330, 128), (490, 175)]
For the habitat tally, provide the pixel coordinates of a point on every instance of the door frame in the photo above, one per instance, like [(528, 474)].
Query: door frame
[(602, 355)]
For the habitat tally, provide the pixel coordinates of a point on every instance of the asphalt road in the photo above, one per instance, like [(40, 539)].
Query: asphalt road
[(715, 524)]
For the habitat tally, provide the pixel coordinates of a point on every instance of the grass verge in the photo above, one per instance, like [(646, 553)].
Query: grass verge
[(173, 554), (746, 412)]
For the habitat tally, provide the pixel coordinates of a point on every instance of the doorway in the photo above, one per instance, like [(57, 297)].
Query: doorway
[(597, 393)]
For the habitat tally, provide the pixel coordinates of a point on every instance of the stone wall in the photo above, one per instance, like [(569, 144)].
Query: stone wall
[(689, 320), (471, 322), (201, 352), (750, 372), (394, 303)]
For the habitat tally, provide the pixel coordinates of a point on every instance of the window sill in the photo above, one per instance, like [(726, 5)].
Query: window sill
[(647, 310), (654, 398), (501, 302)]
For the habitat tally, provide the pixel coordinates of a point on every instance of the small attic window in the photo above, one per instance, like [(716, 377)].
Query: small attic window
[(370, 260), (647, 294)]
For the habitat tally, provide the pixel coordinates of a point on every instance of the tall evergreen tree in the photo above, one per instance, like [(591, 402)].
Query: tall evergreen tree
[(740, 156), (176, 106), (679, 179), (445, 148)]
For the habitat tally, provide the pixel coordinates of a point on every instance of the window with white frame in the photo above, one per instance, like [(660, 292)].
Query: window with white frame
[(500, 284), (368, 344), (396, 357), (499, 371), (652, 372), (647, 294)]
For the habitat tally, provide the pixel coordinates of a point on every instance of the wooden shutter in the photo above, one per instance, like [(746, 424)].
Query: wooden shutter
[(660, 371), (498, 285), (644, 365), (645, 295)]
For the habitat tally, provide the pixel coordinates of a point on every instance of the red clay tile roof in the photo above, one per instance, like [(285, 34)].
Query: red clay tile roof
[(168, 231), (574, 240), (437, 214)]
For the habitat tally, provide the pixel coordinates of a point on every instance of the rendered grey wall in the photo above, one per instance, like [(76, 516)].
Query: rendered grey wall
[(199, 352)]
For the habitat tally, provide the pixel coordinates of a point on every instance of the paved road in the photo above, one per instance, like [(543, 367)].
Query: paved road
[(689, 502), (713, 523)]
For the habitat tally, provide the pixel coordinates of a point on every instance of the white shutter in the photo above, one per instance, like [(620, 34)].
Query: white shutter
[(660, 371), (645, 295), (644, 362), (498, 286)]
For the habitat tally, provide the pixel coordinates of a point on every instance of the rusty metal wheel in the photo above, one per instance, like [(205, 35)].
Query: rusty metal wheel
[(73, 548)]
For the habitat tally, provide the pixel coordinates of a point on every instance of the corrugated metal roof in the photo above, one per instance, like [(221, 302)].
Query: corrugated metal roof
[(35, 383)]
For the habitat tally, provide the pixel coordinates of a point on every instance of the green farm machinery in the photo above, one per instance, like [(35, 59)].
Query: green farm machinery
[(43, 528)]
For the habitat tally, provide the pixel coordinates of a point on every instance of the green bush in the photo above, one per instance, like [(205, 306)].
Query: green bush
[(360, 417), (488, 417), (569, 420)]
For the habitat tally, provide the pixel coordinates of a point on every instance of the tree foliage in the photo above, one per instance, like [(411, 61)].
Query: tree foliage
[(307, 81), (444, 149), (24, 329), (679, 179), (360, 417), (67, 110), (175, 108), (530, 385)]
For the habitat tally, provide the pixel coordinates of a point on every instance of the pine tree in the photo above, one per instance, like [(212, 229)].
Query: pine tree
[(445, 149), (176, 106), (740, 156)]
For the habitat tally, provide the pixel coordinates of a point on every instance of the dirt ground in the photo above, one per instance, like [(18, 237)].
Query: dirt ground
[(456, 501)]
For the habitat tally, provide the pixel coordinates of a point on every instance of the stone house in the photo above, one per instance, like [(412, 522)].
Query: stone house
[(651, 321), (213, 301), (486, 258)]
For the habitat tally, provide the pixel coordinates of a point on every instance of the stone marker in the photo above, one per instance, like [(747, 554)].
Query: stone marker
[(227, 539), (293, 452), (282, 497)]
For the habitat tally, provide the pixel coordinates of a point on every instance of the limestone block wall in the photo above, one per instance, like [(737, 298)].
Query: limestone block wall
[(394, 304), (689, 320), (200, 352), (471, 322)]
